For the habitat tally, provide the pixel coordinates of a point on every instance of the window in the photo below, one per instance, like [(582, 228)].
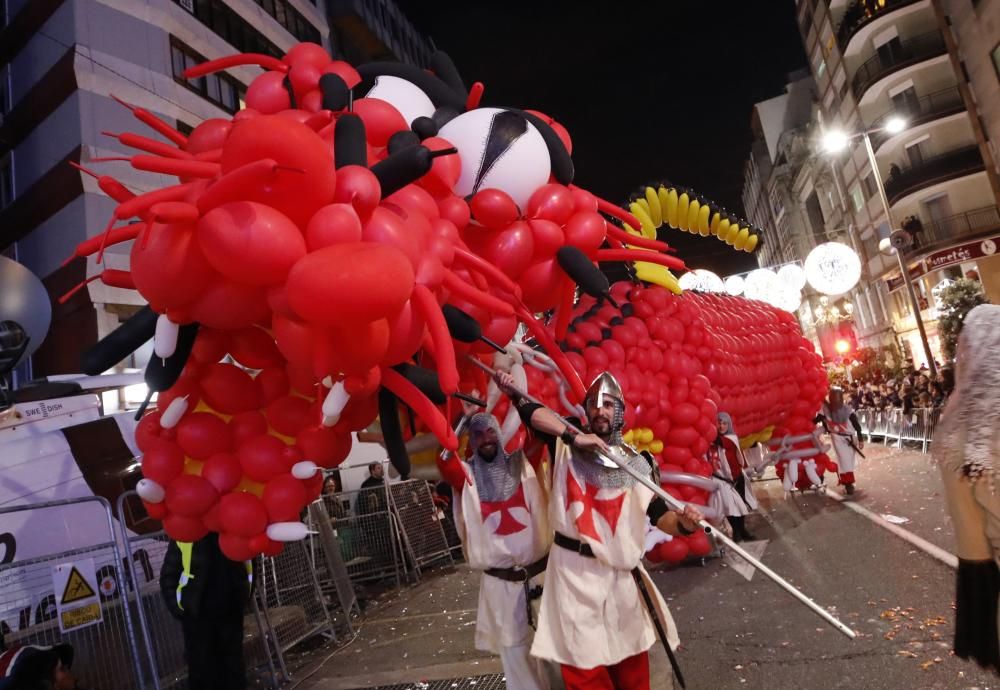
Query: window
[(868, 181), (184, 128), (819, 64), (917, 151), (857, 198), (6, 180), (291, 19), (905, 101), (231, 27), (220, 89)]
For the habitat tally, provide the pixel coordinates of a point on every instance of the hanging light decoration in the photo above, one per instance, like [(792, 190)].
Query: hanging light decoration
[(761, 284), (833, 268), (701, 280), (793, 276), (734, 285)]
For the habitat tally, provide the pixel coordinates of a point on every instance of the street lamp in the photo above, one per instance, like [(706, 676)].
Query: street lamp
[(834, 141)]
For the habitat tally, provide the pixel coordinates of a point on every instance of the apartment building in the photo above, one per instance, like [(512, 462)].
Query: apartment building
[(877, 59)]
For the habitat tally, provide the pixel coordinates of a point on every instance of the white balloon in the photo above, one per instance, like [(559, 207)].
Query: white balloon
[(150, 491), (760, 284), (405, 96), (499, 150), (833, 268), (175, 410), (165, 337), (304, 469), (334, 403), (288, 531)]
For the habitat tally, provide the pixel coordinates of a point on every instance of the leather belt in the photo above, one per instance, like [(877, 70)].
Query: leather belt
[(571, 544), (519, 574)]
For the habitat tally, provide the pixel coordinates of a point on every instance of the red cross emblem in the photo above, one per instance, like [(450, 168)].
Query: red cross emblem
[(610, 509), (508, 525)]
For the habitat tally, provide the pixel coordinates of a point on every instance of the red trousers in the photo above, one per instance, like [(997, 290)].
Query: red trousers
[(846, 477), (628, 674)]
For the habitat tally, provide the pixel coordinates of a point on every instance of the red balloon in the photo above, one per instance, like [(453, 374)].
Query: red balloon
[(250, 243), (540, 285), (548, 238), (148, 431), (350, 283), (210, 346), (494, 208), (267, 93), (181, 528), (324, 446), (254, 348), (223, 471), (684, 437), (445, 170), (262, 457), (333, 224), (235, 547), (699, 544), (202, 435), (673, 551), (229, 389), (358, 186), (289, 414), (684, 414), (456, 210), (284, 497), (210, 134), (229, 306), (381, 119), (163, 462), (273, 383), (156, 511), (586, 231), (242, 514), (552, 202), (190, 496), (511, 249), (168, 267), (246, 425)]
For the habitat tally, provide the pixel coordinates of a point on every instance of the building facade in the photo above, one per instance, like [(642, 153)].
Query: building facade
[(875, 59), (63, 63)]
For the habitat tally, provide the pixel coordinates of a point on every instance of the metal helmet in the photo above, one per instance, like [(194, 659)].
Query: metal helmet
[(604, 385)]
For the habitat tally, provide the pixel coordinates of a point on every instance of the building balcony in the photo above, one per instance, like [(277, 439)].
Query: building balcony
[(862, 13), (906, 53), (945, 231), (947, 166), (920, 111)]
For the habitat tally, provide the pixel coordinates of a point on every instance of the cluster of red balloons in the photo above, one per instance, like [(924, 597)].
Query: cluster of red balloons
[(223, 443)]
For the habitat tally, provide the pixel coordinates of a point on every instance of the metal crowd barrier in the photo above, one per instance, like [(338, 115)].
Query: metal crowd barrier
[(423, 535), (160, 634), (895, 427), (106, 653)]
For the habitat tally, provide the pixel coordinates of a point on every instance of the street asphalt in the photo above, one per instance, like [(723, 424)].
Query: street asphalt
[(737, 632)]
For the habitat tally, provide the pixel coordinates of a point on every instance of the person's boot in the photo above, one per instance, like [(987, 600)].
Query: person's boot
[(738, 529), (849, 488), (745, 534)]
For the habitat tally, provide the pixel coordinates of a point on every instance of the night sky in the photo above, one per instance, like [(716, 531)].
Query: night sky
[(649, 91)]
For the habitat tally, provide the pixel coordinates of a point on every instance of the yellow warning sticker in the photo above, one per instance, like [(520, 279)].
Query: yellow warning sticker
[(80, 617), (77, 588)]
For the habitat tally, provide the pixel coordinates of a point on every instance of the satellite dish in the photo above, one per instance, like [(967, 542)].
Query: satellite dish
[(25, 302)]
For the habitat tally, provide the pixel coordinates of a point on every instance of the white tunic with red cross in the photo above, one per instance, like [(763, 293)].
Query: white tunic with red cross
[(592, 613), (513, 533)]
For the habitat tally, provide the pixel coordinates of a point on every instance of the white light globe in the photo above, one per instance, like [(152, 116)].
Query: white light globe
[(833, 268), (760, 284), (701, 280), (793, 276), (734, 285), (787, 298), (834, 141)]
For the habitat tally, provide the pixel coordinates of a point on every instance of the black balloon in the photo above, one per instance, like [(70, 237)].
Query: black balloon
[(462, 327), (336, 95), (402, 140), (392, 432), (406, 166), (583, 272), (562, 165), (120, 343), (424, 127), (425, 380), (443, 66), (349, 146)]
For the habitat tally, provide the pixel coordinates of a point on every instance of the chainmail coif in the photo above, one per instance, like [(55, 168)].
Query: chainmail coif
[(496, 479)]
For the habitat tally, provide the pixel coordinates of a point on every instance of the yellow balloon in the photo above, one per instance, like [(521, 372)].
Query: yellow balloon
[(657, 275), (734, 232), (655, 212), (682, 211), (647, 435), (250, 487), (642, 215), (751, 243), (703, 226), (628, 436), (192, 466), (656, 447), (694, 210), (741, 240), (714, 225), (723, 229), (669, 205)]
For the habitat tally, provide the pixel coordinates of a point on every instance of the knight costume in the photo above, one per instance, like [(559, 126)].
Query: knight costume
[(596, 616), (734, 497), (503, 523), (837, 417)]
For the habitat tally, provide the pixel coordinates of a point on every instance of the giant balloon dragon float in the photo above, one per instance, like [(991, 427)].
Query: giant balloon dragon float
[(338, 251)]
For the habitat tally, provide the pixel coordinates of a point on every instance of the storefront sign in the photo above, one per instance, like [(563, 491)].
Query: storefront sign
[(965, 252)]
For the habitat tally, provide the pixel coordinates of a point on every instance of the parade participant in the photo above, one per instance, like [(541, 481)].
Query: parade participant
[(734, 497), (33, 667), (500, 511), (835, 417), (600, 611), (965, 447)]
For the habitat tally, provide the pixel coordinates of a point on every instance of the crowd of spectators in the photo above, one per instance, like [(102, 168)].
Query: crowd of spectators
[(908, 391)]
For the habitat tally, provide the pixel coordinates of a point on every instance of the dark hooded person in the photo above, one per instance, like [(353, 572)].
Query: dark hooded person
[(500, 510), (600, 612), (844, 428)]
